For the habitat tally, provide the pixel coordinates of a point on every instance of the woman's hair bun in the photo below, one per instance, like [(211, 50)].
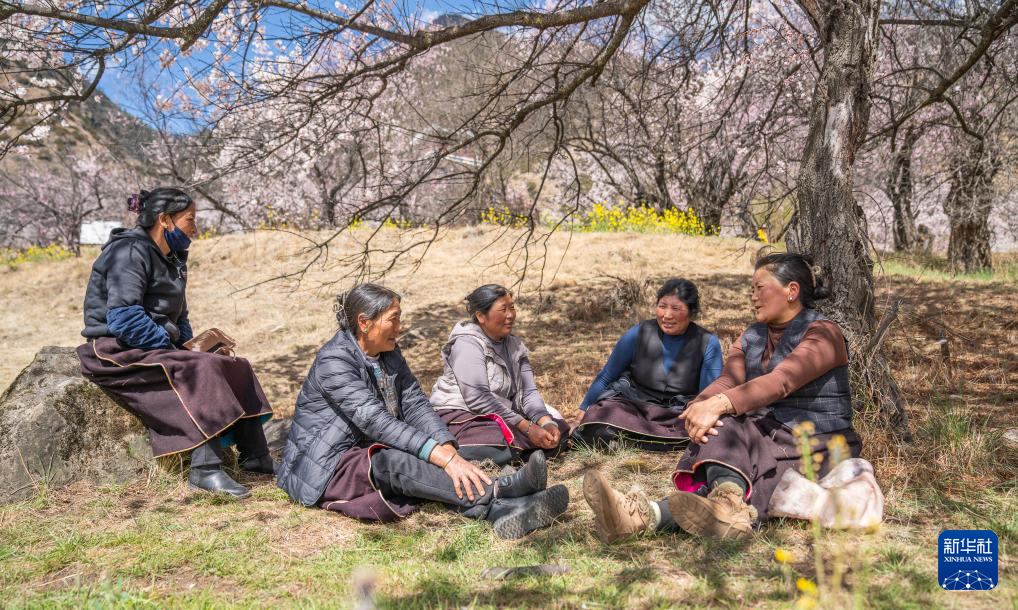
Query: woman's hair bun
[(820, 289)]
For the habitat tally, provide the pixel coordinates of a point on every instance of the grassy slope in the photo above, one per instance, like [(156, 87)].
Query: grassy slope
[(152, 544)]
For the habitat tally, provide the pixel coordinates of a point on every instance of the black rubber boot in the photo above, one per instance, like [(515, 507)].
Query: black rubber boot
[(530, 479), (214, 480), (261, 465), (516, 517)]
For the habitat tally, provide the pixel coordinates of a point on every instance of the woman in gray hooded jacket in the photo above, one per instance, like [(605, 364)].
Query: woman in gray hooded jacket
[(365, 441), (487, 395)]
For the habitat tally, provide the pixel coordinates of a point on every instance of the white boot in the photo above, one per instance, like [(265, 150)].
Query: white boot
[(848, 497)]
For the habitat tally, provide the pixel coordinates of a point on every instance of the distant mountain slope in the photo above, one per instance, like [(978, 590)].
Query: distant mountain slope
[(97, 124)]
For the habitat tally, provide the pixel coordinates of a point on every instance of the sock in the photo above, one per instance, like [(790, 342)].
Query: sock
[(655, 516), (719, 473), (665, 521)]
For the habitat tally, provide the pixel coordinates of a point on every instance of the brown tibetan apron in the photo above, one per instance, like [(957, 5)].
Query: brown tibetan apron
[(185, 398)]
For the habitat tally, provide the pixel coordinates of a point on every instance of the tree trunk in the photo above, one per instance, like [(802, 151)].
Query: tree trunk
[(831, 225), (327, 201), (710, 193), (968, 207), (900, 191)]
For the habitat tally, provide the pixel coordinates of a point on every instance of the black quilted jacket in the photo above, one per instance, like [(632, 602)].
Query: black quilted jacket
[(340, 406)]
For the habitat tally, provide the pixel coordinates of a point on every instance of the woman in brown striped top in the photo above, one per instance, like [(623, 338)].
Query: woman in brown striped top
[(789, 369)]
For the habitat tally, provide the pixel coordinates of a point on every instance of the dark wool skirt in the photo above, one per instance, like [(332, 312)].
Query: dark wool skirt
[(761, 449), (185, 398), (642, 420), (352, 492), (490, 430)]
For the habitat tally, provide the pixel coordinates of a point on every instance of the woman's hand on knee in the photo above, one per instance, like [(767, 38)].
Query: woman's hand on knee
[(548, 424), (539, 435), (703, 418), (466, 478)]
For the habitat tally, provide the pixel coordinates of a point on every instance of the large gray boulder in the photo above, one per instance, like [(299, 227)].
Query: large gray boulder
[(57, 428)]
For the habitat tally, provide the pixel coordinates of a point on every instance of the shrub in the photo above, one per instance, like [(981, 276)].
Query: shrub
[(642, 219), (53, 252), (503, 217)]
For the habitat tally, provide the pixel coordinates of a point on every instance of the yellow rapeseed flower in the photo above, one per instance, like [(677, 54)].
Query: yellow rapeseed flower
[(808, 587)]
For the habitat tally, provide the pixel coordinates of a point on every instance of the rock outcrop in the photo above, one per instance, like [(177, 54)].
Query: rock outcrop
[(57, 428)]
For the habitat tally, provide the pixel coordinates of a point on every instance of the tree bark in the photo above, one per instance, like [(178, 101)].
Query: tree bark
[(710, 192), (968, 207), (831, 225), (900, 190)]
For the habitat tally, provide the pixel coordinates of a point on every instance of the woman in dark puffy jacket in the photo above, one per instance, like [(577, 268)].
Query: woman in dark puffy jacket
[(366, 442), (136, 323)]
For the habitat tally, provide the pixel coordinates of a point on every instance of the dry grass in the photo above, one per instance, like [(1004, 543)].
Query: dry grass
[(280, 326), (152, 544)]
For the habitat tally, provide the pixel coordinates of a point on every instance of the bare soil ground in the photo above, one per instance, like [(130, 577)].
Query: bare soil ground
[(152, 544)]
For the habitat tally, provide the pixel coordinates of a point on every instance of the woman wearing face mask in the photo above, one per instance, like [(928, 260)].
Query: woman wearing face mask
[(136, 322), (655, 369), (487, 394), (789, 368), (366, 442)]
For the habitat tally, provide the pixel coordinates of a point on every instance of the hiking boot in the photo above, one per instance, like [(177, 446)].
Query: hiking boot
[(528, 480), (516, 517), (261, 465), (616, 516), (214, 480), (722, 514)]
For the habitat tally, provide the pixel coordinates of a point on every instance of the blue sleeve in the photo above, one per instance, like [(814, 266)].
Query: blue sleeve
[(186, 332), (133, 326), (425, 451), (620, 359), (712, 362)]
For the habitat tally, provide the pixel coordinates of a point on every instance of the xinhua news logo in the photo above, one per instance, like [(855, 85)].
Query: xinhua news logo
[(968, 560)]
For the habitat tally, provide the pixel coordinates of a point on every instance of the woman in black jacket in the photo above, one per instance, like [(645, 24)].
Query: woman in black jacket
[(366, 442), (136, 323)]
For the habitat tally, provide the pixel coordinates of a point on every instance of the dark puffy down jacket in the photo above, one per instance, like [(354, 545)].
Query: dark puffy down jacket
[(340, 406), (132, 271)]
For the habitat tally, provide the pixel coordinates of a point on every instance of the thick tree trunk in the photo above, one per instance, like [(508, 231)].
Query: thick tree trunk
[(968, 207), (710, 193), (327, 201), (831, 225), (900, 191)]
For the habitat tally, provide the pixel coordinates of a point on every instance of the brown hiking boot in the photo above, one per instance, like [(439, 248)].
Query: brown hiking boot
[(616, 516), (722, 514)]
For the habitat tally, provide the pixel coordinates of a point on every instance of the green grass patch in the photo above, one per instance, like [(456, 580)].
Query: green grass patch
[(936, 269)]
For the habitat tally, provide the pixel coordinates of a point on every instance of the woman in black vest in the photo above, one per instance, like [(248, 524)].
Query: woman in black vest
[(136, 323), (655, 369), (366, 442), (788, 370)]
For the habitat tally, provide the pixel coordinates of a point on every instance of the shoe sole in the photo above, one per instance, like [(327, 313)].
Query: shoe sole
[(548, 504), (684, 504), (194, 487), (593, 492)]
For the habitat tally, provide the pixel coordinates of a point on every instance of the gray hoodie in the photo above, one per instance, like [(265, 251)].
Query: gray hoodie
[(485, 376)]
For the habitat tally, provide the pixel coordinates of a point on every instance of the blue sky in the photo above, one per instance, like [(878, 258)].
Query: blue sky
[(120, 85)]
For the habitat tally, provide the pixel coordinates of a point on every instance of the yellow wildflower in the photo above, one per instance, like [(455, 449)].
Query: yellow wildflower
[(808, 587)]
